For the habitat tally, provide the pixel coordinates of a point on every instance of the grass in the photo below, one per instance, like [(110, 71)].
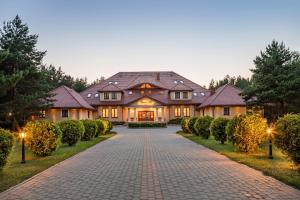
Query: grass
[(280, 167), (14, 172)]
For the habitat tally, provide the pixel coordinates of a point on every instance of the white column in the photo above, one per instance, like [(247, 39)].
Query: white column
[(156, 115), (134, 114), (163, 114), (128, 120)]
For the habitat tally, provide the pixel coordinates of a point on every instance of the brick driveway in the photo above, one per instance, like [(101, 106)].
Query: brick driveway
[(150, 164)]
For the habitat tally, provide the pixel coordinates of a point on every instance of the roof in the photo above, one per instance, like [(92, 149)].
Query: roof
[(65, 97), (225, 95)]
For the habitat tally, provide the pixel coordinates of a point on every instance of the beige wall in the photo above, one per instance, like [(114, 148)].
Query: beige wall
[(219, 111), (76, 114)]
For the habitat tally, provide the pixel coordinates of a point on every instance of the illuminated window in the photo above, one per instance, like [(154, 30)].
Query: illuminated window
[(64, 113), (186, 112), (114, 113), (106, 95), (105, 112), (177, 95), (142, 91), (114, 95), (177, 112), (42, 114), (226, 111), (145, 85), (185, 95)]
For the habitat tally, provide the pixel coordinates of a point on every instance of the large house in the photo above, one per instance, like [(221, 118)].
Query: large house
[(145, 96)]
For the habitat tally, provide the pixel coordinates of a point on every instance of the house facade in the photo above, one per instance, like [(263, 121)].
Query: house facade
[(150, 96)]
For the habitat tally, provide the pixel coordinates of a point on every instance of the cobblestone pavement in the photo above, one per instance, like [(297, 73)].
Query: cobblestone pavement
[(150, 164)]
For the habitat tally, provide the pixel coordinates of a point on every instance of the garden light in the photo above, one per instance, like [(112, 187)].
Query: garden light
[(23, 147)]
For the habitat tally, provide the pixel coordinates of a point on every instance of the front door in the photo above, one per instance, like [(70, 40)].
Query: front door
[(146, 116)]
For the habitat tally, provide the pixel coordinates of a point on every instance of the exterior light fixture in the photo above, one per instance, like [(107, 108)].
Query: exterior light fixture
[(23, 147), (269, 131)]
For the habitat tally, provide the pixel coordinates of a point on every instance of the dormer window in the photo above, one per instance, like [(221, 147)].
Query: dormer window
[(185, 95), (177, 95), (113, 95), (106, 95), (89, 95)]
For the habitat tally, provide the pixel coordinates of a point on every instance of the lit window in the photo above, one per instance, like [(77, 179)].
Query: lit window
[(185, 95), (226, 111), (89, 95), (142, 91), (177, 95), (186, 112), (96, 95), (113, 95), (177, 112), (114, 113), (106, 95), (105, 112), (64, 113), (42, 114)]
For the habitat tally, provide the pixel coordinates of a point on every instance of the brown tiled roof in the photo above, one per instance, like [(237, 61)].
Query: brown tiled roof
[(225, 95), (181, 87), (65, 97), (111, 87)]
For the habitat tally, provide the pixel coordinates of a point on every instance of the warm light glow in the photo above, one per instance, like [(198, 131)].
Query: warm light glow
[(269, 131), (10, 114), (22, 134)]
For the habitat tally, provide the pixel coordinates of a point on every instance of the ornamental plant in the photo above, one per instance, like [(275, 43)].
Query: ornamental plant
[(90, 129), (100, 127), (231, 127), (250, 132), (42, 137), (287, 136), (184, 125), (191, 124), (217, 129), (6, 144), (72, 130), (202, 125)]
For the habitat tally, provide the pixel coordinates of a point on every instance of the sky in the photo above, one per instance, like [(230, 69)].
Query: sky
[(198, 39)]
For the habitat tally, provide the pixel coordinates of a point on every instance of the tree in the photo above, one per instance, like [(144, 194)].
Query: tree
[(275, 79), (25, 90), (238, 81)]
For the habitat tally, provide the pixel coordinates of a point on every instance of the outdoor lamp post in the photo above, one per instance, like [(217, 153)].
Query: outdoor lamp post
[(23, 147), (269, 131)]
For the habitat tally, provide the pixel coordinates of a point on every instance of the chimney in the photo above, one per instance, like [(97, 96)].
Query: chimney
[(212, 91), (158, 76)]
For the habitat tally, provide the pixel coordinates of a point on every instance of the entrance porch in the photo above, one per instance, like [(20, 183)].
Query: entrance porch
[(146, 114)]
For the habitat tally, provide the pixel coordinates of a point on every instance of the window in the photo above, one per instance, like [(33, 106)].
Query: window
[(203, 112), (96, 95), (177, 95), (42, 114), (226, 111), (130, 92), (195, 94), (105, 112), (113, 95), (106, 95), (64, 113), (88, 114), (114, 113), (89, 95), (142, 91), (177, 112), (185, 95), (186, 112)]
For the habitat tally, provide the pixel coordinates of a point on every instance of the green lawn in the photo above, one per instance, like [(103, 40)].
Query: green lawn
[(279, 167), (15, 172)]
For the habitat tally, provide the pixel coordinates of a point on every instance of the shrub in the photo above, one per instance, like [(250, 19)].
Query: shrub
[(90, 128), (146, 125), (250, 133), (191, 124), (217, 129), (100, 127), (175, 121), (6, 144), (72, 131), (231, 127), (287, 136), (202, 126), (118, 123), (42, 137), (184, 125)]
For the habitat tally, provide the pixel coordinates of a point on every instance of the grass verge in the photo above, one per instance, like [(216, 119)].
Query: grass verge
[(280, 167), (14, 172)]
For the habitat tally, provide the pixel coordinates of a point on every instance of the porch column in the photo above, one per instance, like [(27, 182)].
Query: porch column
[(128, 120), (134, 114), (156, 115), (163, 114)]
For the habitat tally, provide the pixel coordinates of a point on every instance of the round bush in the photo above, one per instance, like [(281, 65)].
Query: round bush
[(287, 136), (42, 137), (102, 126), (184, 125), (72, 130), (217, 129), (191, 124), (6, 144), (231, 127), (250, 133), (90, 129), (202, 126)]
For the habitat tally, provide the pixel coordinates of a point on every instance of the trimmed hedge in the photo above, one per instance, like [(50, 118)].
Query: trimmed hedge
[(217, 129), (287, 136), (6, 144), (90, 127), (231, 127), (191, 124), (250, 132), (147, 125), (202, 126), (184, 125), (175, 121), (115, 123), (72, 131), (42, 137)]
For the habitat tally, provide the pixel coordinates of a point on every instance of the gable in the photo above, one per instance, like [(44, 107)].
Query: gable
[(145, 101)]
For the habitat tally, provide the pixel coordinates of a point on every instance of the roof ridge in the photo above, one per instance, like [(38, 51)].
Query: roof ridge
[(74, 96), (190, 80)]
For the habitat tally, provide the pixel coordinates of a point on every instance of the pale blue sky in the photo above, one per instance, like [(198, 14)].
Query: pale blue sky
[(198, 39)]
